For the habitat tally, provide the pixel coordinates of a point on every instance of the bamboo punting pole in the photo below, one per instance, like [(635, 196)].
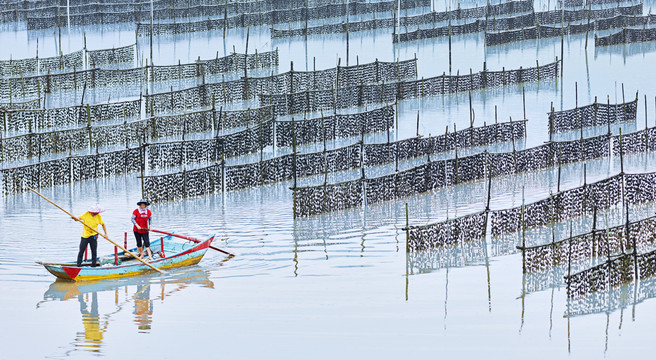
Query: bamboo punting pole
[(190, 239), (90, 228)]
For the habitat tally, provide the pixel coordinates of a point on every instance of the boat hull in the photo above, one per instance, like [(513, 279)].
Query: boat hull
[(181, 258)]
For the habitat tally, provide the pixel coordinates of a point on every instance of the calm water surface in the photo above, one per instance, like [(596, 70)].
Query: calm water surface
[(339, 284)]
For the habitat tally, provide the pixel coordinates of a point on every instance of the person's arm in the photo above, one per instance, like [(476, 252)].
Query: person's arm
[(104, 229), (150, 221), (134, 221)]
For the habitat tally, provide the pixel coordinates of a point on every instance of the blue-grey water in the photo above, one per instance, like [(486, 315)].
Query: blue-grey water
[(337, 285)]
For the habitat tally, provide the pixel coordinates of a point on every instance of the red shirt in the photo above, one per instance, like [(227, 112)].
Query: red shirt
[(142, 220)]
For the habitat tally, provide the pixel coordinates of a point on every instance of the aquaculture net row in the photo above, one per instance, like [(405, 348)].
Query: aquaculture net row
[(583, 14), (70, 169), (22, 121), (423, 178), (627, 36), (295, 81), (334, 126), (596, 243), (545, 31), (29, 104), (99, 135), (480, 25), (30, 66), (586, 199), (451, 232), (579, 3), (611, 274), (455, 171), (21, 10), (217, 178), (635, 142), (121, 55), (608, 301), (510, 24), (37, 86), (360, 95), (409, 20), (504, 8), (595, 114), (470, 252), (232, 63), (272, 17), (250, 88), (575, 202), (187, 152), (378, 154), (255, 174), (34, 86)]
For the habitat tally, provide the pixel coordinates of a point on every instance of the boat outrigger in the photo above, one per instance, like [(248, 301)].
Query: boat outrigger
[(173, 253)]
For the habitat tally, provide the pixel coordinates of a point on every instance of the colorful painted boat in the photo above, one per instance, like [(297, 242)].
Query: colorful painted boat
[(177, 253)]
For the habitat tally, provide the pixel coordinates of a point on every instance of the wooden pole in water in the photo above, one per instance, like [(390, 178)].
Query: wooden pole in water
[(449, 43), (523, 235), (407, 229), (151, 31), (225, 19), (471, 112), (587, 29), (558, 186), (551, 123), (646, 127), (524, 101), (562, 40), (347, 37), (90, 228), (569, 255)]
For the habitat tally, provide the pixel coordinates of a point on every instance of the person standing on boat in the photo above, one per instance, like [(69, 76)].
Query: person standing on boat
[(91, 219), (142, 218)]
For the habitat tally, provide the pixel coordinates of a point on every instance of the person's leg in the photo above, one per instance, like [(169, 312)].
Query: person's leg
[(83, 246), (146, 239), (93, 242), (139, 245)]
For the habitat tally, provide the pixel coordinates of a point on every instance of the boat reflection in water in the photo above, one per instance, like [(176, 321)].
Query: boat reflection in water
[(135, 290)]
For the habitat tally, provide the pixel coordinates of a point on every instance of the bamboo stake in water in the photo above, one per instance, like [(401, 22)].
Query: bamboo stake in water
[(90, 228)]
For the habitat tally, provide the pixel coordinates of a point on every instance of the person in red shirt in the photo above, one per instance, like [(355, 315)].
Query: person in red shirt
[(142, 219)]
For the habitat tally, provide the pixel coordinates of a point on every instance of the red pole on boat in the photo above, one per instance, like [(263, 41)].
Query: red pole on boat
[(115, 255), (125, 240), (161, 246)]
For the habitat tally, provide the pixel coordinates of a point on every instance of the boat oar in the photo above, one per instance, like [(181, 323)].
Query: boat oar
[(90, 228), (190, 239)]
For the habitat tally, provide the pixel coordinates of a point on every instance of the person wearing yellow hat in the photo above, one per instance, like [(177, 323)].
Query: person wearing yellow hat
[(92, 219)]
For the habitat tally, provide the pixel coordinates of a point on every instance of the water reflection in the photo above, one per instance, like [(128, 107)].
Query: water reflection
[(138, 293), (91, 338)]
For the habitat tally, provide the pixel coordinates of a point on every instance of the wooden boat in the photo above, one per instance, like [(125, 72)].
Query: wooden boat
[(172, 253)]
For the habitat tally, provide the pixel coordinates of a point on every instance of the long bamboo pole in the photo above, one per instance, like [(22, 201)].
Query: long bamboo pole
[(90, 228), (190, 239)]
